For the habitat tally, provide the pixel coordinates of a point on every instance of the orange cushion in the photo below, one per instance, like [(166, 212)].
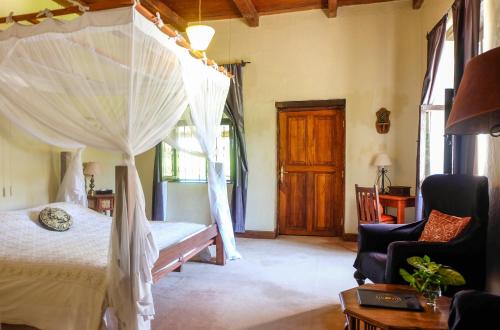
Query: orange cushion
[(443, 227), (386, 218)]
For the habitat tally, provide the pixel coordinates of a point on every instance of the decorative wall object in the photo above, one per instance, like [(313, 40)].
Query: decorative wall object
[(383, 123)]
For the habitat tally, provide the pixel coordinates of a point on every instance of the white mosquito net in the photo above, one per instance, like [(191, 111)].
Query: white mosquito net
[(112, 80)]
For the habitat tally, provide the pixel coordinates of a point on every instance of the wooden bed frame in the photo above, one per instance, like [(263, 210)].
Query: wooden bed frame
[(173, 257)]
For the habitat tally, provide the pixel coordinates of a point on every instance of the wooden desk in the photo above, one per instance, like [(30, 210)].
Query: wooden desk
[(102, 203), (399, 202), (359, 317)]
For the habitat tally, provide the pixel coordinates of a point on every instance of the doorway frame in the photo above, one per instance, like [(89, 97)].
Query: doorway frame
[(311, 105)]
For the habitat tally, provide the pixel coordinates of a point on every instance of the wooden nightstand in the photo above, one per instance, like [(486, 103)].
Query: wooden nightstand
[(102, 203)]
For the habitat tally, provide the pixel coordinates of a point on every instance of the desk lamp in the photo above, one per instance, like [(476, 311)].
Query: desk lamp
[(382, 161), (91, 169)]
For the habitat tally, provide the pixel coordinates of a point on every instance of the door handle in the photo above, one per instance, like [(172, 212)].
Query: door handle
[(282, 173)]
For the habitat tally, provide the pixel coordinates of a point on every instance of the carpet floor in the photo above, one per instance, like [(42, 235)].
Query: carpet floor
[(291, 282)]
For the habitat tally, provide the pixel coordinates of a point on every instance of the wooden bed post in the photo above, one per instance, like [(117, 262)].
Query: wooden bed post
[(220, 255), (65, 160), (125, 190)]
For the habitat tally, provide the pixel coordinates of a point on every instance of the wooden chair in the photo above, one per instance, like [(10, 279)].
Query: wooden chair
[(369, 208)]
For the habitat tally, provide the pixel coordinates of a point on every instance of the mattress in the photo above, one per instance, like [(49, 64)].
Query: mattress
[(57, 280)]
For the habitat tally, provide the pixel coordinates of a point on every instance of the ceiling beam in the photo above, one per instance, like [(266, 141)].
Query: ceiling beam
[(167, 15), (331, 11), (417, 4), (248, 11)]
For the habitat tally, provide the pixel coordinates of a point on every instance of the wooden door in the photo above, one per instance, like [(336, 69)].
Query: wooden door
[(311, 152)]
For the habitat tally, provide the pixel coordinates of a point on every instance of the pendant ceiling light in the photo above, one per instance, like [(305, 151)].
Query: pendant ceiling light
[(200, 35)]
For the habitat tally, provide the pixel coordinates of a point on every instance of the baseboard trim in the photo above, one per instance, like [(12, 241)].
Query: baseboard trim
[(258, 234), (350, 237)]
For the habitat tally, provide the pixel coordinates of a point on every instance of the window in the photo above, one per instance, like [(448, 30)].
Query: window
[(433, 114), (432, 141), (182, 166)]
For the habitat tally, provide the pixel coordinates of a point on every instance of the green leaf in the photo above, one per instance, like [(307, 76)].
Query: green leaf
[(415, 261), (427, 259), (406, 276), (451, 277)]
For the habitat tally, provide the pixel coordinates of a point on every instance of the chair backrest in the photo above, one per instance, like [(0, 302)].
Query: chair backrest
[(459, 195), (367, 204)]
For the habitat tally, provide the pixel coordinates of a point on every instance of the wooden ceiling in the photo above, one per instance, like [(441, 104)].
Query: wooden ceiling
[(178, 13)]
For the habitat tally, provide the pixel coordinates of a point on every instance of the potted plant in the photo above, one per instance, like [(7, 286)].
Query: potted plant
[(429, 276)]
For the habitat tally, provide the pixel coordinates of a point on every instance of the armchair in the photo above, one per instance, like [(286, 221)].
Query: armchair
[(471, 309), (383, 249)]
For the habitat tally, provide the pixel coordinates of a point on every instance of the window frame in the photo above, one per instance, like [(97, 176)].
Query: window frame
[(232, 159)]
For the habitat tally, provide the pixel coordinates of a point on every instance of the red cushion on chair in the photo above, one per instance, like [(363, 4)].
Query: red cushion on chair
[(443, 227), (386, 218)]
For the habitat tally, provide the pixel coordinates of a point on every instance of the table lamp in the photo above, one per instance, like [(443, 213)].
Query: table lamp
[(476, 108), (382, 161), (91, 169)]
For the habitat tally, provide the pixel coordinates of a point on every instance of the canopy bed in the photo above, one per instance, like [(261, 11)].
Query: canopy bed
[(56, 280), (112, 79)]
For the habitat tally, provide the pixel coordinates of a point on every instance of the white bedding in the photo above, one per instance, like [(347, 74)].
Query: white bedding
[(57, 280)]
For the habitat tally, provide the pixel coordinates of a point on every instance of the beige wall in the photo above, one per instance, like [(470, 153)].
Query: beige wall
[(27, 175), (365, 55), (373, 56)]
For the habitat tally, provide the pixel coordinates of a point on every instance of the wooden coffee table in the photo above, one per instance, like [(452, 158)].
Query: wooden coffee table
[(372, 318)]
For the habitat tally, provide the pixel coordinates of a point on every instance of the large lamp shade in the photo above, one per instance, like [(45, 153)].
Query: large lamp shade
[(382, 160), (200, 36), (91, 168), (476, 108)]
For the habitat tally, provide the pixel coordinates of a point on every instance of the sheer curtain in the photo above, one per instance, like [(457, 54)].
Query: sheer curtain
[(111, 80), (206, 104), (72, 188)]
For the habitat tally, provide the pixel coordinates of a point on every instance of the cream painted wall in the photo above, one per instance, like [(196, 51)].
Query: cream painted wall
[(373, 56), (369, 55), (27, 175)]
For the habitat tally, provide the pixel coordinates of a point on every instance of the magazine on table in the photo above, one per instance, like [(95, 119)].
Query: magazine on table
[(389, 299)]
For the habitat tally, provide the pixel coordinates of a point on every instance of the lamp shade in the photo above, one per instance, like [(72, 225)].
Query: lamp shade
[(476, 108), (382, 160), (200, 36), (91, 168)]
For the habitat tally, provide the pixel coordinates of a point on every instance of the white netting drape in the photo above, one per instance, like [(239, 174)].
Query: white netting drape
[(111, 80), (206, 105), (72, 188)]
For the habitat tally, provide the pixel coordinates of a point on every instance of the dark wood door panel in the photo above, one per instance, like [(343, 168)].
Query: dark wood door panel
[(310, 171), (293, 198), (296, 153), (322, 151), (326, 190)]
